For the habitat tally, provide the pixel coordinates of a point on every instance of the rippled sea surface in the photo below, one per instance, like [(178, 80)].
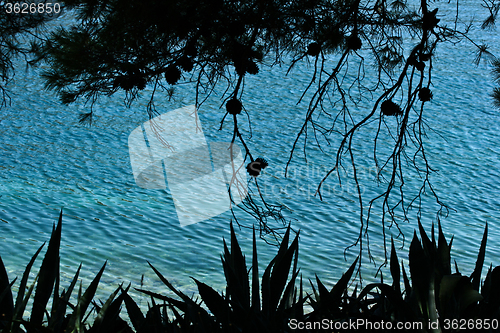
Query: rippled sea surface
[(49, 162)]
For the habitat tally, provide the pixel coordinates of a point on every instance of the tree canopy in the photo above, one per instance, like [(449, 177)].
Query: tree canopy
[(20, 35), (125, 45)]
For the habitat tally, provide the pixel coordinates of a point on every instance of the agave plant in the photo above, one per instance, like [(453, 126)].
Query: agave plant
[(433, 296), (247, 306), (334, 304), (54, 317), (47, 277)]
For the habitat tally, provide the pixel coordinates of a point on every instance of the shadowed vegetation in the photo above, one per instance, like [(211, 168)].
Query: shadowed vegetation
[(272, 302), (371, 76)]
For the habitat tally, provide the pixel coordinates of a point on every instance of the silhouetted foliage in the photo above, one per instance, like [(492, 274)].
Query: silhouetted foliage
[(272, 302), (19, 37), (125, 45)]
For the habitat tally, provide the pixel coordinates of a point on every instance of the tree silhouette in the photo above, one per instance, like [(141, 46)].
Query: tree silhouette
[(126, 45), (20, 36), (493, 6)]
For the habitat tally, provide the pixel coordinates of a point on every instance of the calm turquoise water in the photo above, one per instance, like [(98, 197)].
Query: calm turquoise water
[(49, 162)]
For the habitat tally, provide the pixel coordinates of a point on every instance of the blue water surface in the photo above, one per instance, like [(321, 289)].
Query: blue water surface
[(49, 163)]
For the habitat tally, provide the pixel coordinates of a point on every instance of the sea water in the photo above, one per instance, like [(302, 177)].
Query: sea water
[(48, 162)]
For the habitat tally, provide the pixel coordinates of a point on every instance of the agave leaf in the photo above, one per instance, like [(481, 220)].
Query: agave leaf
[(55, 296), (153, 318), (444, 250), (181, 321), (238, 260), (169, 285), (60, 310), (284, 243), (236, 274), (324, 295), (236, 251), (394, 267), (233, 287), (182, 305), (134, 312), (428, 246), (433, 239), (341, 285), (417, 258), (22, 287), (406, 281), (214, 301), (7, 290), (236, 294), (420, 273), (280, 273), (456, 294), (486, 287), (288, 299), (21, 299), (109, 314), (327, 303), (198, 316), (71, 286), (227, 254), (266, 289), (401, 308), (255, 278), (84, 301), (495, 288), (267, 295), (476, 275), (178, 316), (5, 320), (468, 295), (48, 271), (226, 268), (316, 295), (6, 298), (17, 319), (296, 257), (300, 310), (448, 285), (76, 322), (164, 314)]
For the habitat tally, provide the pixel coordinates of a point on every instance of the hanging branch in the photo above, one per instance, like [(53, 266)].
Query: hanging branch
[(125, 45)]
